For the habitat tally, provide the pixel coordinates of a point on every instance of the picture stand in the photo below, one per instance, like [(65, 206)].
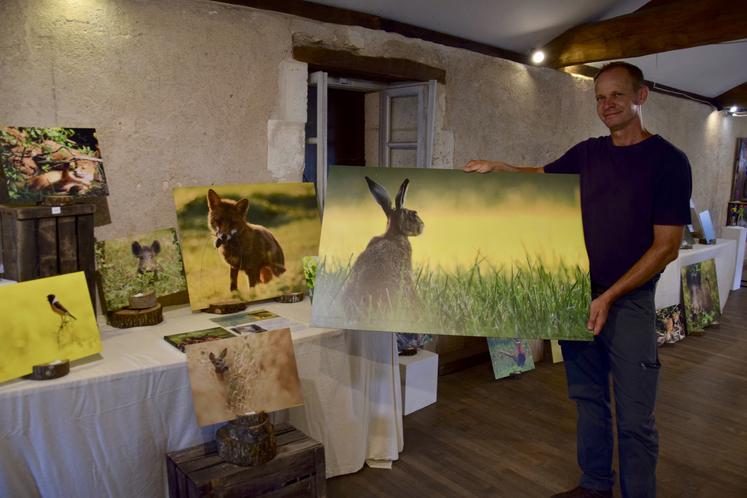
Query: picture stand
[(57, 200), (226, 307), (132, 317), (291, 297), (143, 300), (49, 371), (248, 440)]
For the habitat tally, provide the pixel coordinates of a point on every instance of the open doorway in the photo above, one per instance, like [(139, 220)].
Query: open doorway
[(354, 122)]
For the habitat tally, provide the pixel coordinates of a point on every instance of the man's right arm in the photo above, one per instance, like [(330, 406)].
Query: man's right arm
[(482, 166)]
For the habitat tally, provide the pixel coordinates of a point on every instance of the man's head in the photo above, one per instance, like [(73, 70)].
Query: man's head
[(620, 92)]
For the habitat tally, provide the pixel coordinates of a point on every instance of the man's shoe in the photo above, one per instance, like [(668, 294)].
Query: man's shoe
[(581, 492)]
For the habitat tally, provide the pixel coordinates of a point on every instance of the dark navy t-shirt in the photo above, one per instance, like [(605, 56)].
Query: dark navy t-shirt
[(625, 191)]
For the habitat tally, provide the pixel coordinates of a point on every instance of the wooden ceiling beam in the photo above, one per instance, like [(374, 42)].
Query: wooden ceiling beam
[(737, 96), (661, 27)]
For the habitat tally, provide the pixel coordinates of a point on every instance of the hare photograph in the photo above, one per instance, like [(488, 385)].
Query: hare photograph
[(251, 373), (139, 263), (446, 252), (46, 320), (44, 162), (246, 242)]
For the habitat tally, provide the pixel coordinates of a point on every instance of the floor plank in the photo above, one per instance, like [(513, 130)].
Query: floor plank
[(515, 438)]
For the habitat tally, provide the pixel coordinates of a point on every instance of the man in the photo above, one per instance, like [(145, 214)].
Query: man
[(635, 191)]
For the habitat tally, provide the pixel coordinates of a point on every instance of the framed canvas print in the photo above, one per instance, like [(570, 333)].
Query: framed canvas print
[(246, 242), (46, 320), (139, 263), (670, 325), (183, 339), (444, 252), (739, 180), (700, 296), (252, 373), (44, 162), (510, 356)]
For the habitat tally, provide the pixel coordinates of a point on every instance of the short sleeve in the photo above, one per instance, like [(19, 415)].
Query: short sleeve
[(570, 162), (672, 190)]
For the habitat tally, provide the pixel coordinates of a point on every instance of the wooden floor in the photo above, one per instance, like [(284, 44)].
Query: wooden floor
[(515, 438)]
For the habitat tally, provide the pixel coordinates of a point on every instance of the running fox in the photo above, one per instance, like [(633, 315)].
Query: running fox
[(250, 248)]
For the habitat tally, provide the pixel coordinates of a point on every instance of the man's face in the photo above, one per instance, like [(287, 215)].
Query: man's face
[(618, 103)]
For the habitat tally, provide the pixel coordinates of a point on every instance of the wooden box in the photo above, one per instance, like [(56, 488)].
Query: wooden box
[(42, 241), (297, 470)]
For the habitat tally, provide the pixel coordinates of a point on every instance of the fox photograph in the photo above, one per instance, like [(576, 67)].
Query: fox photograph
[(246, 242), (46, 320), (43, 162), (443, 252), (142, 262)]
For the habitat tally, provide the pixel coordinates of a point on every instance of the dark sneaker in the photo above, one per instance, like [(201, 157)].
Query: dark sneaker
[(580, 492)]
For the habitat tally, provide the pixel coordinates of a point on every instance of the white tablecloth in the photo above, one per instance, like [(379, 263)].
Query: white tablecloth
[(104, 429)]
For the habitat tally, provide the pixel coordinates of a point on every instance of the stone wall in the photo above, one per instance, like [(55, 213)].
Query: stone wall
[(193, 92)]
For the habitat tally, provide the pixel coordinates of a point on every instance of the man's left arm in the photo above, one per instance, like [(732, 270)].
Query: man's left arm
[(663, 250)]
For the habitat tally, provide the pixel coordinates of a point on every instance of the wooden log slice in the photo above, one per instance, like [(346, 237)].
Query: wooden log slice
[(126, 318), (248, 440), (49, 371), (143, 301), (226, 307), (58, 200), (291, 297)]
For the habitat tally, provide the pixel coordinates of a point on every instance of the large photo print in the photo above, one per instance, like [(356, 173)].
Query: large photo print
[(246, 241), (43, 162), (446, 252)]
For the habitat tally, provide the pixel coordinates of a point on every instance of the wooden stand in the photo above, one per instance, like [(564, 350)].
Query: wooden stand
[(38, 241), (143, 301), (291, 297), (127, 318), (226, 307), (58, 200), (248, 440), (49, 371), (297, 470)]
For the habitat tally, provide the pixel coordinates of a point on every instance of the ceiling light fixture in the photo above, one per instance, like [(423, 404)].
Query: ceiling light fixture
[(733, 109), (538, 56)]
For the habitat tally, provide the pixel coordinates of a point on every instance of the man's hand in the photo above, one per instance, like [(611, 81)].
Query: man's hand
[(482, 166), (598, 311)]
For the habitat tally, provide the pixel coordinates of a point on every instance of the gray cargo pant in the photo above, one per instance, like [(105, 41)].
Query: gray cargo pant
[(626, 350)]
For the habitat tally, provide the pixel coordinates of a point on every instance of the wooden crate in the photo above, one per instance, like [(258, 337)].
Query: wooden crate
[(297, 470), (42, 241)]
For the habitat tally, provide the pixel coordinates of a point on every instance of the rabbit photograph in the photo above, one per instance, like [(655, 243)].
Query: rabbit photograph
[(246, 241), (443, 252)]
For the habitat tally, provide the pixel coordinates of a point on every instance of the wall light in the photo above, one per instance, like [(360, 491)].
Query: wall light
[(538, 56)]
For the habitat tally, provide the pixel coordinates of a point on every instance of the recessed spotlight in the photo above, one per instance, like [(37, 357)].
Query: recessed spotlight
[(538, 56), (733, 109)]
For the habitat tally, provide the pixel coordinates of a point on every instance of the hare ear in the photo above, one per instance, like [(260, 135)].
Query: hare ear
[(399, 201), (380, 194)]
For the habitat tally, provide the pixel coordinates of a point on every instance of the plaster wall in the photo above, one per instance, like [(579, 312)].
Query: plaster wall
[(194, 92)]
